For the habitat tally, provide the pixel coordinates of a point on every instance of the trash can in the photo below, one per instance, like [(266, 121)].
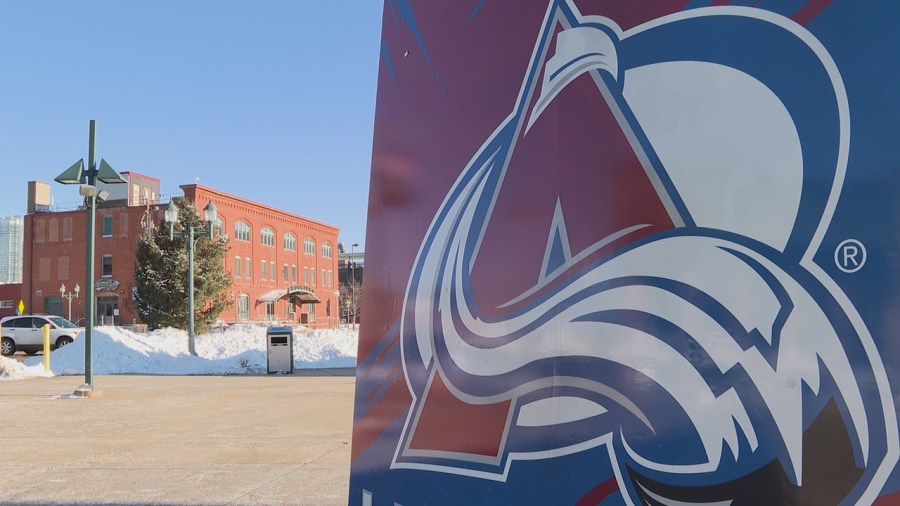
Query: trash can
[(280, 350)]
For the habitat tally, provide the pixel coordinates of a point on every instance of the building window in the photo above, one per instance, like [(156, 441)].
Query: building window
[(237, 266), (249, 272), (270, 310), (290, 242), (324, 278), (284, 273), (107, 225), (293, 274), (262, 269), (54, 229), (242, 231), (243, 307), (309, 246), (62, 267), (106, 265), (40, 229), (218, 227), (330, 278), (312, 312), (67, 229), (44, 269), (326, 250), (267, 236), (272, 271), (312, 276)]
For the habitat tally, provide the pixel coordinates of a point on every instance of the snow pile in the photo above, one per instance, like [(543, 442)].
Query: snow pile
[(13, 370), (239, 349)]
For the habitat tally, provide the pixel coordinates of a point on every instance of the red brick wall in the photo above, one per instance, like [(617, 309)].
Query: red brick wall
[(10, 292), (234, 209), (54, 253)]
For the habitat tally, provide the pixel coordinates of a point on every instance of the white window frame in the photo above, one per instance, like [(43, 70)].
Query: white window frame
[(290, 242), (102, 263), (242, 231), (267, 236), (243, 306), (106, 222)]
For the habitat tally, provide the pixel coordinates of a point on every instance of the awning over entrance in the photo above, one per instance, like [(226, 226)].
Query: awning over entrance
[(304, 296), (272, 295), (300, 294)]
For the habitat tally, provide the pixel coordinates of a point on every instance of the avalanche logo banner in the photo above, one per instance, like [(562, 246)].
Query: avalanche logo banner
[(636, 253)]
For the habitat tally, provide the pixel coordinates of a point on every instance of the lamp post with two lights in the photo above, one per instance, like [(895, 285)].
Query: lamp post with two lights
[(210, 217), (69, 296)]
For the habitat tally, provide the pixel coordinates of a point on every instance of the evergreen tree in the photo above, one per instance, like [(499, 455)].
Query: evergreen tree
[(162, 269)]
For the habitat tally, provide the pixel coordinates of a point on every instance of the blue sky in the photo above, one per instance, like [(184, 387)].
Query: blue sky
[(268, 100)]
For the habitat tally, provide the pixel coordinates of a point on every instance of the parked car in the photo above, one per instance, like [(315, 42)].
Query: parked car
[(25, 333)]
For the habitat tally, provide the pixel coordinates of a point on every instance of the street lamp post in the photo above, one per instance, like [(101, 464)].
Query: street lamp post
[(69, 296), (210, 217), (87, 178)]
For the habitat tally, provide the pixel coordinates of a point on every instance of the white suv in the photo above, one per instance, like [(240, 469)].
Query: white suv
[(25, 333)]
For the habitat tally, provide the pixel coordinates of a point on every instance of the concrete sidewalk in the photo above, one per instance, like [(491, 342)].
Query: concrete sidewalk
[(177, 440)]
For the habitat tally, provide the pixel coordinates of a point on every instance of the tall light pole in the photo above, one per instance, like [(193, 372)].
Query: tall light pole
[(63, 294), (353, 285), (210, 216), (87, 178)]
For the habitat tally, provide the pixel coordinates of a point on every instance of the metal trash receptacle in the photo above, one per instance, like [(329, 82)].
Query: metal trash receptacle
[(280, 350)]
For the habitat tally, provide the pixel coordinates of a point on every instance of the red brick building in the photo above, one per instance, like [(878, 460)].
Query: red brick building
[(284, 266), (10, 295)]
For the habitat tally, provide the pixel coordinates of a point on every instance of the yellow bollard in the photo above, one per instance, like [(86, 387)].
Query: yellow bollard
[(46, 328)]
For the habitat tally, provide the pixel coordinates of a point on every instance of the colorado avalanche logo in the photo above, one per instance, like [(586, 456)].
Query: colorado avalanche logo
[(693, 336)]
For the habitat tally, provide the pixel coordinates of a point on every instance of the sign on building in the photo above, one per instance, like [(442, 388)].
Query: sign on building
[(632, 253)]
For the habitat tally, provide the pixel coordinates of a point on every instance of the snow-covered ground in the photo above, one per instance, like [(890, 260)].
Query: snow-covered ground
[(239, 349)]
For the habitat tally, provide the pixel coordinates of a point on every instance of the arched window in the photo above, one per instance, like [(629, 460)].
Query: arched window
[(219, 228), (267, 236), (241, 231), (326, 250), (290, 242), (243, 307), (309, 246)]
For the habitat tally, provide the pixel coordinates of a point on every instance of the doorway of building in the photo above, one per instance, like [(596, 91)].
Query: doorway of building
[(54, 305), (107, 310)]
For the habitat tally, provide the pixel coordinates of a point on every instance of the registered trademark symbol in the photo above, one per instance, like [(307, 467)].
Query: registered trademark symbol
[(850, 256)]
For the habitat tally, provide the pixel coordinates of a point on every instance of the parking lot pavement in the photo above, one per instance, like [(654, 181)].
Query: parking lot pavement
[(178, 440)]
